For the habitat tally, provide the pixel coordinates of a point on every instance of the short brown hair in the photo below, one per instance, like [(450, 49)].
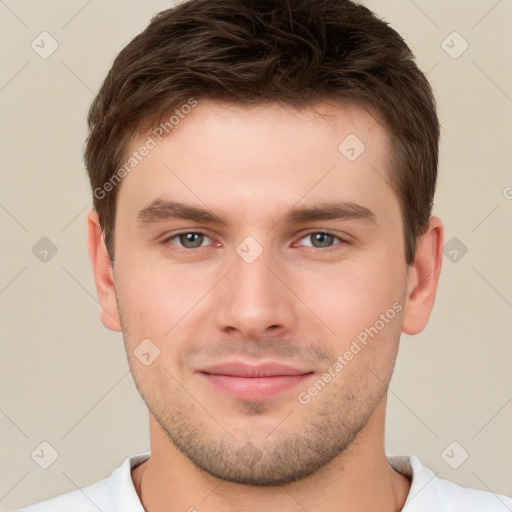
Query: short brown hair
[(249, 52)]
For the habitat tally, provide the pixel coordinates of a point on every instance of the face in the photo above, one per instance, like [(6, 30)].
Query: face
[(269, 321)]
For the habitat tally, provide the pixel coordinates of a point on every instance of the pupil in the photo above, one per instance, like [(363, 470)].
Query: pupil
[(323, 238), (190, 239)]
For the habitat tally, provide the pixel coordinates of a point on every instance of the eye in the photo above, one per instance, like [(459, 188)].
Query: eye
[(188, 240), (322, 239)]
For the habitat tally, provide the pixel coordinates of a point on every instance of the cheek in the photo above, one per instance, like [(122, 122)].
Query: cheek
[(362, 305), (159, 296), (154, 303), (351, 296)]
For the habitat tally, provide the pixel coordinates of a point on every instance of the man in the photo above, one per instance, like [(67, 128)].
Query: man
[(263, 175)]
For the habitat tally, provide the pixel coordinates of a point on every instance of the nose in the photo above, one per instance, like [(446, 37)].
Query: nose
[(254, 299)]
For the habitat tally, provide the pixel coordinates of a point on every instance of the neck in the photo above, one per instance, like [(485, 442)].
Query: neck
[(360, 478)]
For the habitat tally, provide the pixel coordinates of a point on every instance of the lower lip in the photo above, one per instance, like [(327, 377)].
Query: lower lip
[(254, 388)]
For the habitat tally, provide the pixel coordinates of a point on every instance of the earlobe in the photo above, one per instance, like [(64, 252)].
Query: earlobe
[(423, 278), (103, 273)]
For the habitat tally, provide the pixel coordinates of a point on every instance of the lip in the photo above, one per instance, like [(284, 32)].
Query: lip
[(253, 382)]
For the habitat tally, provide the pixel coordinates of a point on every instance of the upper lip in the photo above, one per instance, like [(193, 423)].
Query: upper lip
[(240, 369)]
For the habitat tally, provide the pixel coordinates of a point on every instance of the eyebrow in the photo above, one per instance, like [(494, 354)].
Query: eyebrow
[(161, 210)]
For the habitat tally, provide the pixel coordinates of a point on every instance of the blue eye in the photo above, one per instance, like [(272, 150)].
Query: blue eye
[(189, 240), (322, 239)]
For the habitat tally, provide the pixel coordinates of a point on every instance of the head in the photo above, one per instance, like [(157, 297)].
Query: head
[(263, 177)]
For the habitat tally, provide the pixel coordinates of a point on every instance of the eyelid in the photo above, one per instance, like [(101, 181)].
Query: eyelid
[(169, 237), (343, 239)]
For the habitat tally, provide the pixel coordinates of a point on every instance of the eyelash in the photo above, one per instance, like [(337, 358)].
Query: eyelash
[(184, 250)]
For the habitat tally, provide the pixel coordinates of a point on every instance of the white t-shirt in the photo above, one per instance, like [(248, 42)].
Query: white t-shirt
[(427, 493)]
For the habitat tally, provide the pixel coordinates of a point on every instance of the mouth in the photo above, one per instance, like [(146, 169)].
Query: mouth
[(253, 382)]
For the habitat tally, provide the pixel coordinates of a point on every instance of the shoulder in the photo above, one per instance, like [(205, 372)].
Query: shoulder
[(428, 492), (108, 495)]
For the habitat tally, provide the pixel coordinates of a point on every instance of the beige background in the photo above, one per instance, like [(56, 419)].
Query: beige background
[(65, 379)]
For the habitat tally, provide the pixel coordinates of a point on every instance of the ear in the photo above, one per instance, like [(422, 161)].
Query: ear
[(423, 278), (103, 273)]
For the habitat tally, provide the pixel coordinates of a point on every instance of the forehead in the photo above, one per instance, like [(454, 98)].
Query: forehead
[(252, 162)]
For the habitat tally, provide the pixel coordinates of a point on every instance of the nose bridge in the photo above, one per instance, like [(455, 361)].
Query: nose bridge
[(252, 298)]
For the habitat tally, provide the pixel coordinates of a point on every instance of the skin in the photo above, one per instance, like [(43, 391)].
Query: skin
[(296, 303)]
